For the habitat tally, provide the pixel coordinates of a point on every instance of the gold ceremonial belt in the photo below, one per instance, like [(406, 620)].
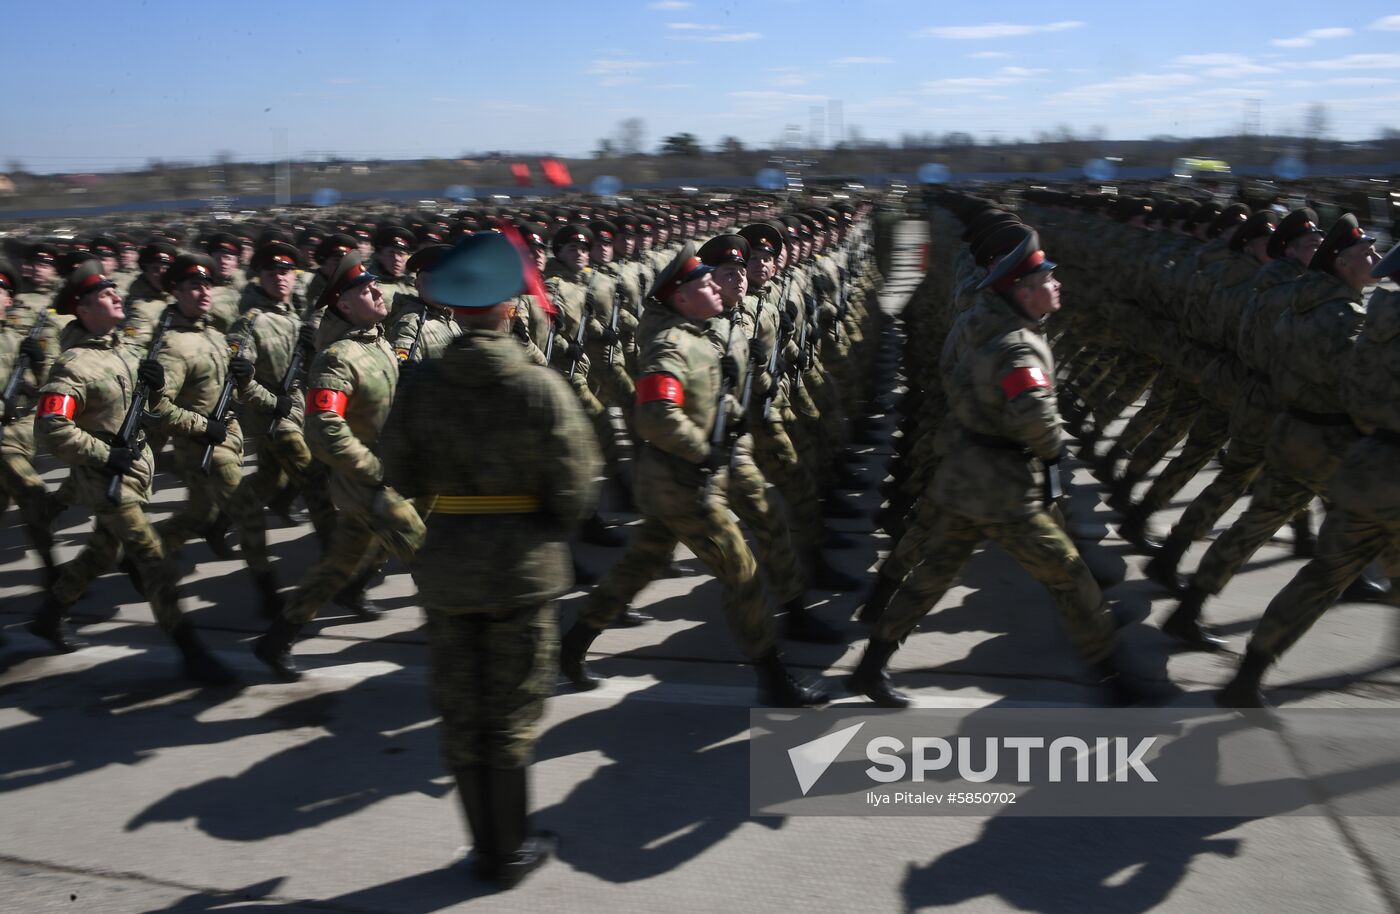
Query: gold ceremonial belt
[(485, 504)]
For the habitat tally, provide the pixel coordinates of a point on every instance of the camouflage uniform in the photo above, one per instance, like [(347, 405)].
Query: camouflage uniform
[(83, 403), (439, 329), (227, 298), (999, 381), (19, 481), (1363, 520), (350, 387), (511, 474)]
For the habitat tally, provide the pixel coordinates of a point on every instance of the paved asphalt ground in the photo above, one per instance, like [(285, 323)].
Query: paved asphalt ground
[(121, 790)]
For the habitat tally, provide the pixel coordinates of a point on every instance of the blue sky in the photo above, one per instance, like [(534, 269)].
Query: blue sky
[(109, 85)]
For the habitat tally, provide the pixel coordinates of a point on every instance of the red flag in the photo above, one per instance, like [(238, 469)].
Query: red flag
[(555, 172), (534, 283), (521, 172)]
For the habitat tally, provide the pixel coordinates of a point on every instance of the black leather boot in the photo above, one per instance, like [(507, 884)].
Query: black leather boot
[(801, 625), (352, 597), (1120, 690), (631, 618), (1120, 495), (274, 648), (572, 651), (778, 688), (1162, 568), (520, 850), (1184, 623), (1243, 691), (1304, 542), (1366, 590), (1134, 530), (583, 576), (196, 663), (216, 536), (874, 606), (596, 533), (824, 576), (473, 789), (870, 678), (49, 623), (269, 598), (1103, 468)]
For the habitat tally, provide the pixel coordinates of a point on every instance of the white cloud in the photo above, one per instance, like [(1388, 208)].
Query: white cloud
[(992, 30), (692, 27), (857, 61), (1386, 24), (670, 5), (960, 85), (1134, 84), (1223, 66), (769, 95), (726, 37), (1358, 80), (1309, 38), (1356, 62), (1229, 92), (618, 71), (989, 55)]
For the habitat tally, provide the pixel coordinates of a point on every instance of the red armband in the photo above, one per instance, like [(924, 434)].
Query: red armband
[(325, 400), (58, 405), (660, 387), (1019, 380)]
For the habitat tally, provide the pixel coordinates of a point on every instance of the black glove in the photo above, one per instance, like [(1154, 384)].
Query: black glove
[(283, 409), (729, 368), (407, 367), (119, 460), (34, 351), (609, 335), (215, 431), (521, 332), (241, 369), (574, 349), (306, 337), (150, 373)]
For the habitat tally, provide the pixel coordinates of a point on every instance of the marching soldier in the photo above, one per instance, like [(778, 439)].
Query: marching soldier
[(509, 477), (349, 390), (225, 250), (87, 398), (422, 329), (678, 485)]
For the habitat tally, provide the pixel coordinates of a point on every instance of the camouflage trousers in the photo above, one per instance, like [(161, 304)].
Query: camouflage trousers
[(353, 549), (117, 529), (1346, 544), (1152, 414), (491, 674), (1243, 463), (763, 516), (19, 483), (1277, 498), (1124, 394), (284, 458), (1181, 411), (597, 413), (1038, 544), (777, 458), (1208, 435), (708, 530), (224, 489)]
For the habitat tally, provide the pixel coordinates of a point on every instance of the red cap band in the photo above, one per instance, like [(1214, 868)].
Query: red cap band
[(1023, 269)]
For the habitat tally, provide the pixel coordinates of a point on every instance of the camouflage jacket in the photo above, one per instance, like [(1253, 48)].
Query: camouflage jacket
[(998, 374), (439, 329), (225, 309), (1313, 340), (82, 407), (1368, 481), (677, 397), (1260, 310), (195, 358), (142, 289), (530, 324), (513, 470), (568, 291), (350, 388), (266, 337)]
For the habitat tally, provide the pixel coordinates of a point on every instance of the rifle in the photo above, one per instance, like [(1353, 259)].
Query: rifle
[(289, 378), (807, 345), (418, 334), (221, 411), (21, 368), (126, 435), (579, 337), (616, 314), (746, 397), (719, 435), (779, 341), (549, 346)]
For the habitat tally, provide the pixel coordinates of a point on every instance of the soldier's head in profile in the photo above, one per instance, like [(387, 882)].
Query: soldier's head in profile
[(1025, 278), (1348, 253), (536, 238), (190, 279), (422, 264), (41, 263), (604, 235), (728, 258), (392, 245), (1297, 237), (90, 296), (330, 251), (765, 252), (154, 259), (224, 249), (687, 287), (353, 293), (9, 286)]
